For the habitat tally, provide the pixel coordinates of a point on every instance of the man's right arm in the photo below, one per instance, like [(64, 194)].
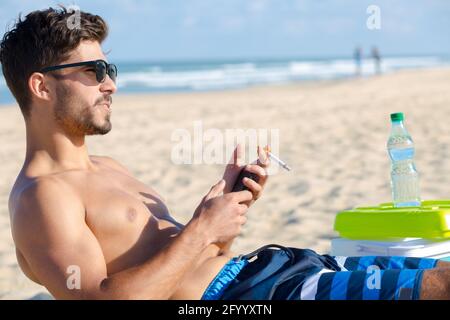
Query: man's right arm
[(49, 229)]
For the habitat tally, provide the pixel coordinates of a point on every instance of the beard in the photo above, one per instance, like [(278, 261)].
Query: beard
[(77, 117)]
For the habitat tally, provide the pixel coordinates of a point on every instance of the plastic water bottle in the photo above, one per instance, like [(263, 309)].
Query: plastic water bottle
[(404, 176)]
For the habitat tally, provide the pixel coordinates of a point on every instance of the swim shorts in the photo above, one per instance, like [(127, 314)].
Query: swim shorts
[(274, 272)]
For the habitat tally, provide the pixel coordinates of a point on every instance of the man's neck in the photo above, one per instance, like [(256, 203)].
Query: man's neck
[(53, 150)]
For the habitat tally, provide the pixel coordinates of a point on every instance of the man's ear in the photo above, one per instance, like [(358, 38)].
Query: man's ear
[(38, 87)]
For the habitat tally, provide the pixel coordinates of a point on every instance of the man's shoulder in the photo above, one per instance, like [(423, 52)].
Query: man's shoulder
[(111, 163), (41, 192), (43, 183), (42, 210)]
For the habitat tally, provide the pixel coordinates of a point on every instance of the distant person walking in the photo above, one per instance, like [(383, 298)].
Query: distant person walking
[(377, 60), (357, 55)]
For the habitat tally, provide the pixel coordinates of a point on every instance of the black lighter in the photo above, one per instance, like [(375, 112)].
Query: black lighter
[(239, 185)]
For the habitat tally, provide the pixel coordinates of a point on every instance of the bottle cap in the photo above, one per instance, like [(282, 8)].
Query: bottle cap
[(397, 116)]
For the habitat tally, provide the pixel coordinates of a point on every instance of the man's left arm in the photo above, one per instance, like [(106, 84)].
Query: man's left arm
[(231, 174)]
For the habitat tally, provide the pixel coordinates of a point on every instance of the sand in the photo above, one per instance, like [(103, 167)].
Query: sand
[(333, 134)]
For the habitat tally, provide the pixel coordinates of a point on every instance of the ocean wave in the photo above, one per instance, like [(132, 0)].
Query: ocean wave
[(207, 76), (225, 76), (413, 62), (231, 75)]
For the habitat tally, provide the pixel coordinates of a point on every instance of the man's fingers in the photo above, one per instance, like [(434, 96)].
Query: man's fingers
[(263, 159), (254, 187), (259, 171), (233, 168), (215, 190), (236, 157), (254, 168), (242, 209), (242, 196)]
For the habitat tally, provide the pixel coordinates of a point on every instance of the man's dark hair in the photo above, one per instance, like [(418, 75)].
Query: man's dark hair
[(42, 39)]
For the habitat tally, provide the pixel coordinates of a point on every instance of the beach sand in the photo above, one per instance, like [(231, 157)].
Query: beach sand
[(333, 134)]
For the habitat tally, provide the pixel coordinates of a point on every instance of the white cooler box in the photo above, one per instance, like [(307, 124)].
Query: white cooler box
[(408, 247)]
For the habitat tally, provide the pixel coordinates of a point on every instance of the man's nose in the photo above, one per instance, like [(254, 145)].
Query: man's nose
[(108, 85)]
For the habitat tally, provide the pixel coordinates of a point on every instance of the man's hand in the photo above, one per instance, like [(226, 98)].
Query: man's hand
[(235, 166), (221, 217)]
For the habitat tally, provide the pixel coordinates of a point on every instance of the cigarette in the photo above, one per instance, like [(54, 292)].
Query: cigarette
[(278, 160)]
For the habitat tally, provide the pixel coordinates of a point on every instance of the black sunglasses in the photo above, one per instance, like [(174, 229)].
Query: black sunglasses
[(102, 68)]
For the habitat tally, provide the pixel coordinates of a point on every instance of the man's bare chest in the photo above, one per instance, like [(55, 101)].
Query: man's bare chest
[(116, 200), (128, 218)]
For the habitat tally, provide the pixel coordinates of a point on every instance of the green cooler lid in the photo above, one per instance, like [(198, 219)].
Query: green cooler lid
[(429, 221)]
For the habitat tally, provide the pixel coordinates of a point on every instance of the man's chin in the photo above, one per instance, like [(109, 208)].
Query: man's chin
[(100, 130)]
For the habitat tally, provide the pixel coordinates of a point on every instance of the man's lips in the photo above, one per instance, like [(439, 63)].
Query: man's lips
[(106, 104)]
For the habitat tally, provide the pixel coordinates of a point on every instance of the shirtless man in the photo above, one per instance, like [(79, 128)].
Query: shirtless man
[(71, 209)]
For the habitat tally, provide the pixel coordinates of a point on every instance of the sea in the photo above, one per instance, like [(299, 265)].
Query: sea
[(224, 74)]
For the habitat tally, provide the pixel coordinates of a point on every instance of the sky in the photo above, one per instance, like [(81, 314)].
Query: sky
[(160, 30)]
